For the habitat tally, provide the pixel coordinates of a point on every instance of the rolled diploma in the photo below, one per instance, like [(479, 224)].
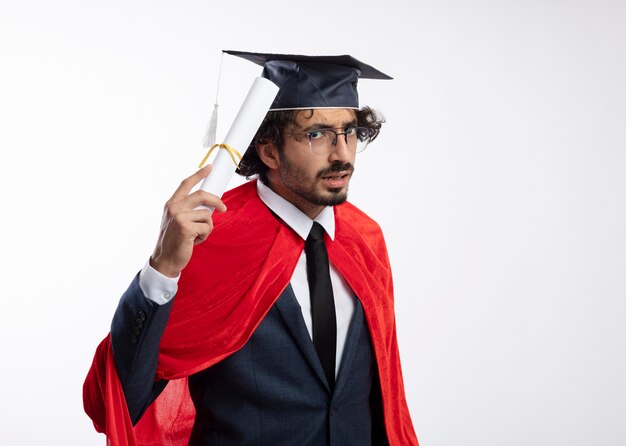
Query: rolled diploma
[(248, 120)]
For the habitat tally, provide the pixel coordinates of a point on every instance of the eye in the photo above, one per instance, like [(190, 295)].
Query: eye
[(316, 134), (363, 133), (350, 131)]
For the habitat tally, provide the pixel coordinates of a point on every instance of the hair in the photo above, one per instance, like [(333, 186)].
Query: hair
[(276, 122)]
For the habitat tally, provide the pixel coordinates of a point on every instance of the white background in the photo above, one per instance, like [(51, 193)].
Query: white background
[(499, 181)]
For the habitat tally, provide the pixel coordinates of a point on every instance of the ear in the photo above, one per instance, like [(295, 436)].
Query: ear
[(268, 153)]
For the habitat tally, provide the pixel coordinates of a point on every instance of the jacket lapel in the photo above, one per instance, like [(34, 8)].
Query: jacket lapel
[(291, 313), (349, 350)]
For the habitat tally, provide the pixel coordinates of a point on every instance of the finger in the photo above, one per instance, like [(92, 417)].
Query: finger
[(200, 239), (201, 231), (188, 183), (202, 197), (184, 228), (197, 216)]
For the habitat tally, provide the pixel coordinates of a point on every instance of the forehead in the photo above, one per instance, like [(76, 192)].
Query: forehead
[(331, 117)]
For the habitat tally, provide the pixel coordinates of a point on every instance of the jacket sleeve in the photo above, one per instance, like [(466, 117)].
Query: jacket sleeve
[(136, 331)]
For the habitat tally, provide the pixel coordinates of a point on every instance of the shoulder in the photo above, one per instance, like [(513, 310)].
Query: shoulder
[(246, 219), (237, 197), (360, 230), (350, 215), (242, 205), (360, 244)]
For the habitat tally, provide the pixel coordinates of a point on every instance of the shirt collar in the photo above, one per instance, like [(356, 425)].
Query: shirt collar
[(294, 217)]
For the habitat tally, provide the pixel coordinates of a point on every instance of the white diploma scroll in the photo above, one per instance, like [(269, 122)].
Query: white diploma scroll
[(244, 127)]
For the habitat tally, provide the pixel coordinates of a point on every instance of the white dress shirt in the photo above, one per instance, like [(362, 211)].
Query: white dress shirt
[(160, 289)]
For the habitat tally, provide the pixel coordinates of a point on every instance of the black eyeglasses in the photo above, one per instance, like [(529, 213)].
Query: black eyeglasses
[(323, 141)]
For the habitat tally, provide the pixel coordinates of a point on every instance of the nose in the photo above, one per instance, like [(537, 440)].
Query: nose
[(340, 151)]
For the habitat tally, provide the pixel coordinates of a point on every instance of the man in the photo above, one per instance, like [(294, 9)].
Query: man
[(276, 311)]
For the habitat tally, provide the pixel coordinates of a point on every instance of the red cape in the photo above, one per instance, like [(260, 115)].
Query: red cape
[(231, 282)]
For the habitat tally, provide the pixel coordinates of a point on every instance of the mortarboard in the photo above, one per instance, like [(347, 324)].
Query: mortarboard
[(312, 81)]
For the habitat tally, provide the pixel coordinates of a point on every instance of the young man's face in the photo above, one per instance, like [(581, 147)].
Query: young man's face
[(309, 180)]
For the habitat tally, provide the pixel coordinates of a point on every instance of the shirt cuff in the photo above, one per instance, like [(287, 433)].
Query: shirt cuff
[(155, 286)]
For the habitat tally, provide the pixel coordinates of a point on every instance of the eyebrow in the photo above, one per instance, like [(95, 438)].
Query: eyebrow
[(319, 125)]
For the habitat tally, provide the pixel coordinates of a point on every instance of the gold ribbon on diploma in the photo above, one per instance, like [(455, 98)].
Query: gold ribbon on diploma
[(232, 152)]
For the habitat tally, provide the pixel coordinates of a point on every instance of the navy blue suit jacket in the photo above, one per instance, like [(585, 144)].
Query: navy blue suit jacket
[(271, 392)]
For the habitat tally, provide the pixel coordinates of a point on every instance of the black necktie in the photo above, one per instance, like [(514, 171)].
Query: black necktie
[(322, 301)]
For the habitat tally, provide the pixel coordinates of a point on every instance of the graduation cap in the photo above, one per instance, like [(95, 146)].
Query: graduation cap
[(312, 81)]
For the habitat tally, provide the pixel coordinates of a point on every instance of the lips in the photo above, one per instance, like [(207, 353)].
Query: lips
[(336, 175), (336, 179)]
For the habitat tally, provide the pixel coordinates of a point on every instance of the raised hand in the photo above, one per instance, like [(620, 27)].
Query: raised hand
[(183, 226)]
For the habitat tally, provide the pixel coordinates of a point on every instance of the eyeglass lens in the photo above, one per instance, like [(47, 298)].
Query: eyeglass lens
[(324, 141)]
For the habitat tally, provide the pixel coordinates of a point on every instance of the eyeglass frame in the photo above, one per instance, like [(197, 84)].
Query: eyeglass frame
[(372, 133)]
